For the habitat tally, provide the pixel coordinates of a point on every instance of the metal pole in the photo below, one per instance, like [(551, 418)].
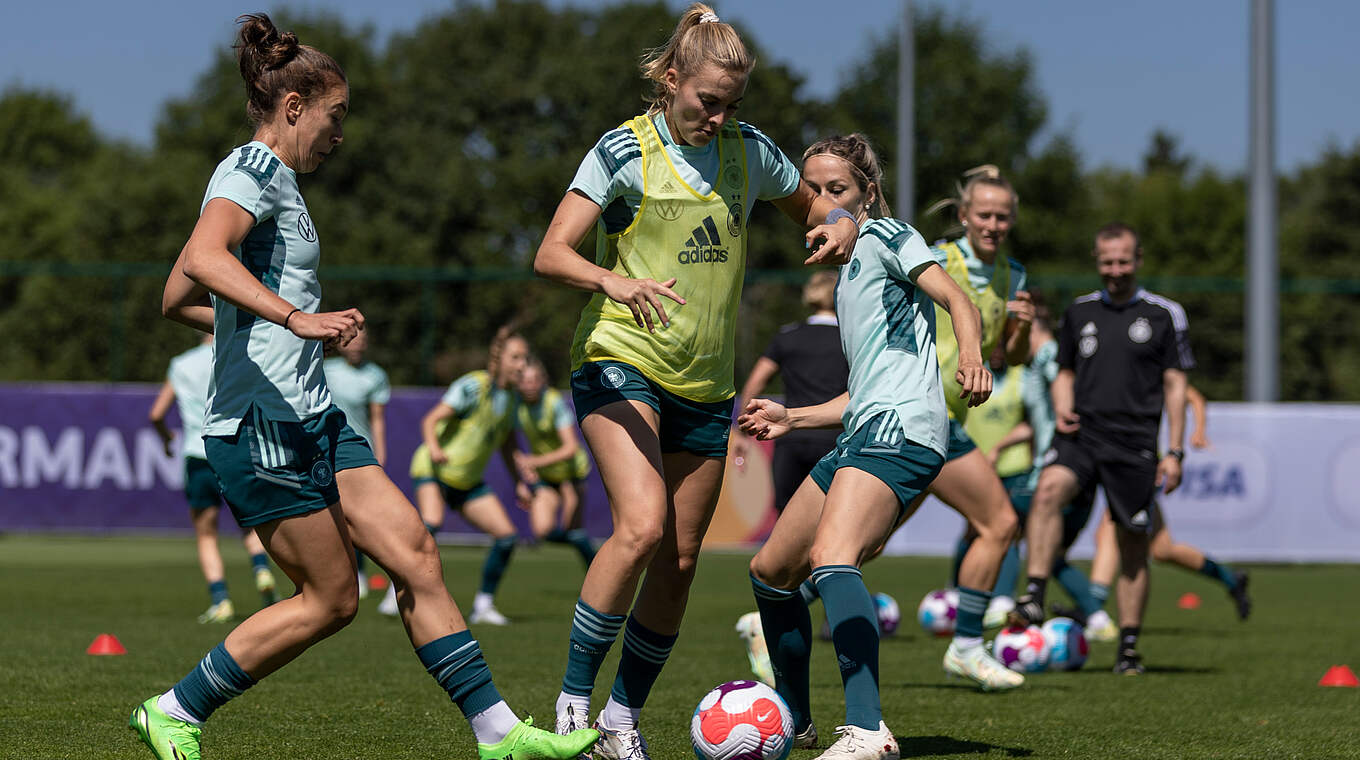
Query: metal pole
[(906, 116), (1263, 293)]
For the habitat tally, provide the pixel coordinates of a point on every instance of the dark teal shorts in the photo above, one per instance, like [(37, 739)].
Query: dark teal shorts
[(960, 442), (907, 467), (454, 497), (556, 483), (201, 488), (271, 470), (1020, 489), (693, 426)]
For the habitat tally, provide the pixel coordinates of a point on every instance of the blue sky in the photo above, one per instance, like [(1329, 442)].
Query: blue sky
[(1112, 72)]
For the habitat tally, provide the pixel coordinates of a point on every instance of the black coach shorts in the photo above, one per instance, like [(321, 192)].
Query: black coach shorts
[(1128, 475)]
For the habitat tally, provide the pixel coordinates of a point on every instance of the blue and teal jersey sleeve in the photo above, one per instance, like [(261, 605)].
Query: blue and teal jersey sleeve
[(772, 174), (463, 395), (1019, 278), (250, 183), (904, 252), (611, 168), (562, 416), (382, 387)]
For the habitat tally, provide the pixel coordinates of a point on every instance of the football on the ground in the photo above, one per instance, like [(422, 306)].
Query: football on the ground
[(1066, 641), (741, 720), (889, 614), (939, 612), (1021, 649)]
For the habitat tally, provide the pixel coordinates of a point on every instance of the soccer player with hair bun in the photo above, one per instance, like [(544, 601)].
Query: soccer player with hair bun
[(289, 465), (670, 192)]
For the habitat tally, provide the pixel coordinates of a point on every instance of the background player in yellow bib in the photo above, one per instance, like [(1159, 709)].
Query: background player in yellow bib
[(671, 191), (553, 472), (471, 422)]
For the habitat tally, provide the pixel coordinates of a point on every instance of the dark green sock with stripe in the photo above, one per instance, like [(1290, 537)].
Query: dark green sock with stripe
[(854, 631), (644, 655), (787, 626)]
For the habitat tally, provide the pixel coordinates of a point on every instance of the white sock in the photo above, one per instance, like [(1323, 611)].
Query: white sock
[(482, 601), (170, 705), (579, 704), (390, 598), (967, 642), (493, 724), (618, 717)]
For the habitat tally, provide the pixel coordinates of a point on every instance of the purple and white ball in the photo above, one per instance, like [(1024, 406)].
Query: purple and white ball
[(1021, 649), (889, 614), (939, 612)]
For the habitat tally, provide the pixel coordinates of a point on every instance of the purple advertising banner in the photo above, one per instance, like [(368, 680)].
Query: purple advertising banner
[(83, 458)]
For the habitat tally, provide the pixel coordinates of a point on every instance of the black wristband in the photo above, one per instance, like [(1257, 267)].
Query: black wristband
[(1179, 454), (290, 316)]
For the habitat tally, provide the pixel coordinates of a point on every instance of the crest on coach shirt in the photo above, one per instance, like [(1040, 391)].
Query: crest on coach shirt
[(1088, 346), (1140, 331)]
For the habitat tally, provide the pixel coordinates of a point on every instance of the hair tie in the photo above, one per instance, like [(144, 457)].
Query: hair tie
[(709, 18)]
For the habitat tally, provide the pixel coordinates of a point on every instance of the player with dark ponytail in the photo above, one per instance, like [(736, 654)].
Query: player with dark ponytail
[(290, 465)]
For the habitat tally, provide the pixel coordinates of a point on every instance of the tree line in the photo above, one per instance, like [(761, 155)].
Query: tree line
[(465, 132)]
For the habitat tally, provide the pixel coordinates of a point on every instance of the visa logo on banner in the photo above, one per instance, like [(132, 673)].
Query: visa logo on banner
[(1226, 486), (30, 459)]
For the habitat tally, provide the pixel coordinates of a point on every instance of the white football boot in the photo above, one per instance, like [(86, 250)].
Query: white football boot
[(857, 743), (977, 664), (757, 652)]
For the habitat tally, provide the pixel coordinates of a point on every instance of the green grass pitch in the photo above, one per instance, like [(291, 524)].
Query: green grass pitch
[(1215, 688)]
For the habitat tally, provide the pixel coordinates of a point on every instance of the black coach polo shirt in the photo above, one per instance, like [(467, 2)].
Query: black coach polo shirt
[(1119, 353), (811, 359)]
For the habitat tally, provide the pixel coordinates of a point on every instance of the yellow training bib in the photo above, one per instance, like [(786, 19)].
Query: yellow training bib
[(698, 239), (989, 423), (991, 305), (540, 430), (470, 441)]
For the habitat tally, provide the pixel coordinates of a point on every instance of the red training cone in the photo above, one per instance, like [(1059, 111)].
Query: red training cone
[(107, 643), (377, 583), (1189, 601), (1339, 675)]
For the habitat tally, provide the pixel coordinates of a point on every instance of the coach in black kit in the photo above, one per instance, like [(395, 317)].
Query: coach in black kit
[(1123, 353)]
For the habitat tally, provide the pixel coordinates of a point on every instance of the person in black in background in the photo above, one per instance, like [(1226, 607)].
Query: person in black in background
[(1122, 355), (808, 354)]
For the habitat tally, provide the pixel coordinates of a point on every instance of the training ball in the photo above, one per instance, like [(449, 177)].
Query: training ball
[(939, 611), (889, 615), (1066, 642), (741, 720), (1021, 649)]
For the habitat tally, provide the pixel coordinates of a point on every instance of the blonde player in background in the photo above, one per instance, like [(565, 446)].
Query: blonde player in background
[(186, 386)]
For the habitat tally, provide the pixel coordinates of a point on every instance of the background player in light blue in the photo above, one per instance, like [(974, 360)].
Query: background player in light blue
[(361, 389), (896, 435), (287, 461), (186, 386)]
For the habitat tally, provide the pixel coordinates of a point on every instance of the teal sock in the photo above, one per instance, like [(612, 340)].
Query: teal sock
[(497, 559), (1077, 586), (972, 606), (788, 634), (1099, 594), (456, 663), (581, 541), (1222, 573), (644, 655), (1009, 574), (361, 561), (432, 529), (218, 591), (592, 633), (216, 681), (960, 549), (854, 631), (259, 561), (808, 591)]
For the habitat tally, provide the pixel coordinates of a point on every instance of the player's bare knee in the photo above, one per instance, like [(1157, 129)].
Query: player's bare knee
[(638, 542)]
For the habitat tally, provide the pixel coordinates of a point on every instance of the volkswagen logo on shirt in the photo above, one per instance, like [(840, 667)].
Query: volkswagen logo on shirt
[(305, 228), (668, 209)]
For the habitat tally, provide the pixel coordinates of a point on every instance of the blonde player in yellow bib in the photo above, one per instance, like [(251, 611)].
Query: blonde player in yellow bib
[(553, 471), (472, 421), (670, 192)]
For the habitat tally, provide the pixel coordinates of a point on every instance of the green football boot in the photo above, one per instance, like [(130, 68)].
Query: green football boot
[(169, 738), (524, 742)]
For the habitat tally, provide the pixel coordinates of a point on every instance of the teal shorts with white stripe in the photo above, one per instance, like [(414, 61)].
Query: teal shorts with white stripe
[(879, 448), (270, 469)]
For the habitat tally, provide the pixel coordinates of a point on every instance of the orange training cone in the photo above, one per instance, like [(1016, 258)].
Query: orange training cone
[(107, 643), (377, 583), (1189, 601), (1339, 675)]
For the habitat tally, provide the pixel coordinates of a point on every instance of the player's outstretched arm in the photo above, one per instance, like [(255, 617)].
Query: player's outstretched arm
[(156, 416), (1064, 400), (1021, 311), (557, 260), (972, 375), (429, 424), (1199, 410), (1169, 469), (830, 243)]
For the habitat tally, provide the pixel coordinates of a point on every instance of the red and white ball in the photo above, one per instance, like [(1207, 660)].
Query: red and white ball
[(1022, 649), (741, 720), (939, 612)]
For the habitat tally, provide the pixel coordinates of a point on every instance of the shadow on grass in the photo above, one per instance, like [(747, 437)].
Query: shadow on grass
[(913, 746)]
